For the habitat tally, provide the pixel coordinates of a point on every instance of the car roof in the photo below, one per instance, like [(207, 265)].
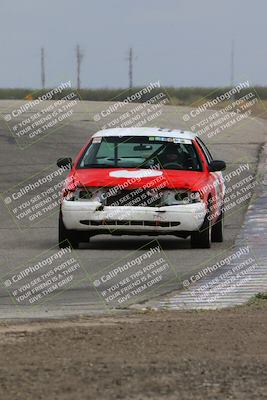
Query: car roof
[(163, 132)]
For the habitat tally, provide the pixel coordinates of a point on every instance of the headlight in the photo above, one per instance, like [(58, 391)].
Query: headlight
[(85, 194), (82, 194), (175, 197), (181, 196), (196, 197)]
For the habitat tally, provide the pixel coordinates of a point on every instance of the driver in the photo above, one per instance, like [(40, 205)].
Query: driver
[(170, 156)]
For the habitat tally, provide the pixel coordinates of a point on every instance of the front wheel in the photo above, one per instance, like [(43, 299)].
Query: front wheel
[(202, 238), (66, 237), (217, 230)]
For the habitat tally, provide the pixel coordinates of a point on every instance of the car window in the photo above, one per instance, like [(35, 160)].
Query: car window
[(141, 152), (104, 150), (205, 150)]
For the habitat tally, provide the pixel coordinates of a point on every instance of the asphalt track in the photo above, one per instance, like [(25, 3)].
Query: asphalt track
[(236, 145)]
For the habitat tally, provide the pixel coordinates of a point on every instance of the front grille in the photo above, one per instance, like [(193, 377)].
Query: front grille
[(134, 197), (163, 224)]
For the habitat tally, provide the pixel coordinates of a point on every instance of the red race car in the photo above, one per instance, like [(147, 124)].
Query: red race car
[(148, 181)]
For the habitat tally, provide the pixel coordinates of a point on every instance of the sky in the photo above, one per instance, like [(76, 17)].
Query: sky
[(179, 42)]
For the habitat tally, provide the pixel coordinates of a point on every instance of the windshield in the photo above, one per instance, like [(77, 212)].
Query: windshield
[(140, 152)]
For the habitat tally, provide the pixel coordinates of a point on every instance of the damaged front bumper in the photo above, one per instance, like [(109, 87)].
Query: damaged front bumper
[(92, 216)]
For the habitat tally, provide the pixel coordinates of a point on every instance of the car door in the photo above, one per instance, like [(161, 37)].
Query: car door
[(216, 180)]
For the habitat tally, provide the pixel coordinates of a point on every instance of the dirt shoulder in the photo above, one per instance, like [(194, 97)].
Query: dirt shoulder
[(156, 355)]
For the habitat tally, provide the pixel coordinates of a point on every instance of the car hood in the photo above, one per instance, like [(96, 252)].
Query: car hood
[(131, 178)]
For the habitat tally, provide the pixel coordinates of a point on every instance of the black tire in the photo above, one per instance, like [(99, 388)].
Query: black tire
[(202, 238), (217, 230), (66, 237)]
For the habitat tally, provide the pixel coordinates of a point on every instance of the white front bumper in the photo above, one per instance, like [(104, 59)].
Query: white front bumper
[(186, 217)]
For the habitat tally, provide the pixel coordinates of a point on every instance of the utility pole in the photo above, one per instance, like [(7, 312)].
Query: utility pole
[(232, 64), (130, 59), (79, 57), (43, 67)]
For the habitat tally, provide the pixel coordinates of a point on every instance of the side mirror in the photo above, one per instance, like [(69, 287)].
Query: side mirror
[(217, 165), (64, 162)]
